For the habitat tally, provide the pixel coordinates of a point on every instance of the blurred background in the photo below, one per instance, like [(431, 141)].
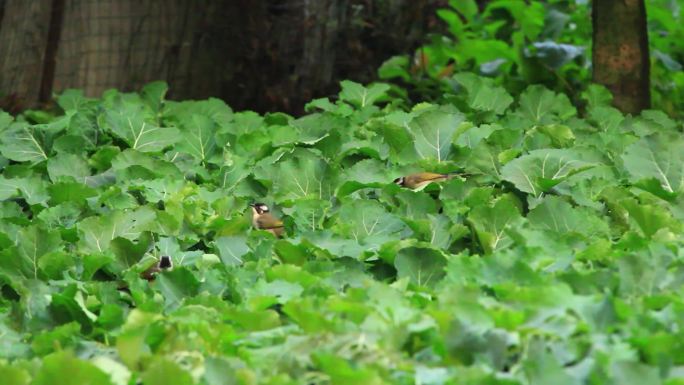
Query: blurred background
[(263, 55)]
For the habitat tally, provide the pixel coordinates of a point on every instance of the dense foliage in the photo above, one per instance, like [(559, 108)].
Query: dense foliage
[(519, 43), (558, 260)]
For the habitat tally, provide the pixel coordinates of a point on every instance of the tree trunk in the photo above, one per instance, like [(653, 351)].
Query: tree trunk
[(620, 52)]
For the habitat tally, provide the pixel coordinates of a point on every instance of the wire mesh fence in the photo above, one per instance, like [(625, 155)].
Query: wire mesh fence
[(260, 54)]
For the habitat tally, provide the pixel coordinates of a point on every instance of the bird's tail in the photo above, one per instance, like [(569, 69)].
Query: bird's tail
[(454, 174)]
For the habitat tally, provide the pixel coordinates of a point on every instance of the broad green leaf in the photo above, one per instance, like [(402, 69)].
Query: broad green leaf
[(5, 120), (166, 372), (12, 344), (177, 285), (433, 132), (32, 189), (541, 367), (153, 94), (362, 96), (649, 218), (8, 188), (395, 67), (541, 170), (33, 243), (483, 95), (161, 190), (98, 232), (68, 165), (557, 215), (23, 143), (367, 223), (63, 336), (657, 157), (545, 107), (597, 95), (133, 123), (472, 137), (308, 214), (301, 173), (214, 108), (70, 371), (131, 162), (635, 373), (424, 266), (14, 375), (491, 222), (117, 372), (232, 250), (363, 174), (197, 132)]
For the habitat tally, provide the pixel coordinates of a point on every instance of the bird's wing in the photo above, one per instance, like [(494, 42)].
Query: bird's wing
[(267, 222)]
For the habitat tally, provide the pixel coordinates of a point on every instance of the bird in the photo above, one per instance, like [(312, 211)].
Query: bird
[(262, 219), (164, 263), (420, 180)]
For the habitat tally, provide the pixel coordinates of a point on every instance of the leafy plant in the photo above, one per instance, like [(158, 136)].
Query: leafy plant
[(555, 258)]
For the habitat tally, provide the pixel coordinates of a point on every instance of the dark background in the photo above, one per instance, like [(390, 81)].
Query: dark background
[(263, 55)]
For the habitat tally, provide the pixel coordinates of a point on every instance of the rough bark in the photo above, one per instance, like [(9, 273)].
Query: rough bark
[(620, 52)]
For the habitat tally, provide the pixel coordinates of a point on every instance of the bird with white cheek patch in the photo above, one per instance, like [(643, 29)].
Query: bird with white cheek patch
[(262, 219), (419, 181)]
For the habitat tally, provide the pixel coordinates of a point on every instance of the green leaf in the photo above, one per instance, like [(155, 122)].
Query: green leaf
[(555, 214), (483, 95), (541, 170), (657, 157), (33, 243), (68, 165), (98, 232), (70, 371), (177, 285), (368, 222), (14, 375), (12, 344), (541, 367), (491, 222), (361, 96), (635, 373), (133, 123), (433, 132), (395, 67), (301, 173), (166, 372), (545, 107), (23, 143), (423, 266), (8, 188), (197, 132), (134, 163), (232, 250)]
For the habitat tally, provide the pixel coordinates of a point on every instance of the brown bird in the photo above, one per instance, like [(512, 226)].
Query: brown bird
[(262, 219), (420, 180), (164, 263)]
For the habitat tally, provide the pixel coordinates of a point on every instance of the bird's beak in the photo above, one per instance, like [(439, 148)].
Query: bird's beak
[(252, 205)]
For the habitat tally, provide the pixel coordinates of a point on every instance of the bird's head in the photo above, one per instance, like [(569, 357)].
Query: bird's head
[(165, 262), (399, 181), (259, 208)]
